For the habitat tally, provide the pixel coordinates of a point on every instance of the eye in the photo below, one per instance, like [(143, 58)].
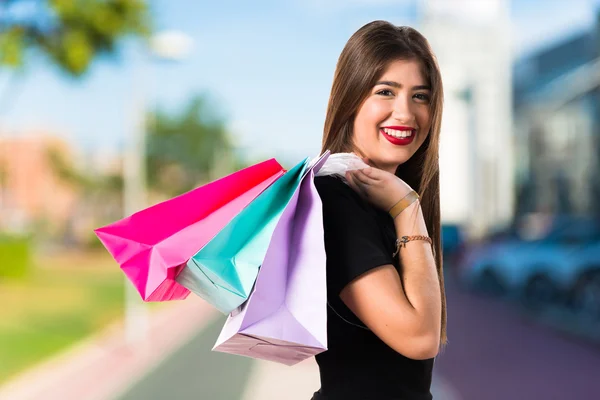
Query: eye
[(422, 96), (385, 92)]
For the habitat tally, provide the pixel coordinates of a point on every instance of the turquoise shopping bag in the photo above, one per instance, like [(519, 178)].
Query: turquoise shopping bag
[(224, 271)]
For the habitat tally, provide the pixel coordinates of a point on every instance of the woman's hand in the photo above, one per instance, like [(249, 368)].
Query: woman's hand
[(380, 188)]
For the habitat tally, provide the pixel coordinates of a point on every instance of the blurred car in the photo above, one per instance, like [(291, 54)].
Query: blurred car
[(556, 261), (452, 242), (583, 296)]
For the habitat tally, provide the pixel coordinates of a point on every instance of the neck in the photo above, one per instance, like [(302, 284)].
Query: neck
[(391, 168)]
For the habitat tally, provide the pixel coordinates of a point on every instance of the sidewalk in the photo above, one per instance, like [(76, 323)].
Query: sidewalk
[(103, 366), (270, 381)]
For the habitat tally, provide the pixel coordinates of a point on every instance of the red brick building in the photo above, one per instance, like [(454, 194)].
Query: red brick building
[(31, 190)]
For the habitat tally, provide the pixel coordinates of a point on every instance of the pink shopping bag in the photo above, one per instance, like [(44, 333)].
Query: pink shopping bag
[(153, 245), (285, 318)]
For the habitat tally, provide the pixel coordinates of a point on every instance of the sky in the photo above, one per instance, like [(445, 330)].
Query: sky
[(266, 65)]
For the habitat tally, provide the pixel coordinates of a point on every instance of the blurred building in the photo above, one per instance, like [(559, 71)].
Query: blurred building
[(557, 120), (32, 193), (472, 40)]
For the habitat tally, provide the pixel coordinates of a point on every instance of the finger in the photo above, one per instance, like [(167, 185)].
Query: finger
[(351, 181), (372, 173), (362, 177), (355, 185)]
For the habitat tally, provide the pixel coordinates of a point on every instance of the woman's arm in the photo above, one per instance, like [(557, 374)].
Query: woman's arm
[(403, 311), (419, 275)]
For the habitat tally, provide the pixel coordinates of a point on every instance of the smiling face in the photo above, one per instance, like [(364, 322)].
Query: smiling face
[(394, 120)]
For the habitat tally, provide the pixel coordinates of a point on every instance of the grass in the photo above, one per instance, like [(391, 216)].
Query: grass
[(64, 299)]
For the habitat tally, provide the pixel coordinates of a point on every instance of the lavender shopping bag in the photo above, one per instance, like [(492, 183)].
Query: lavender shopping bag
[(285, 318)]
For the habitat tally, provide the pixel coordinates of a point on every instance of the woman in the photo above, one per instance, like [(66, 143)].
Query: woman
[(386, 302)]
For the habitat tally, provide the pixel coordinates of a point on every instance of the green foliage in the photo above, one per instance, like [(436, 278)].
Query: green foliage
[(70, 32), (15, 257), (88, 183), (11, 46), (183, 148), (99, 194), (63, 300)]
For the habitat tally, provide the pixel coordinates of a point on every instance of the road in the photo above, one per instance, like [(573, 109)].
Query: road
[(497, 351)]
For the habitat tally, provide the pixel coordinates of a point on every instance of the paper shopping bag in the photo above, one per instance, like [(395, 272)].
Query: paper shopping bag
[(285, 317), (153, 245), (224, 271)]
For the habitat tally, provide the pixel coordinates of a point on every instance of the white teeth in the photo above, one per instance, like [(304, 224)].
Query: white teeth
[(398, 134)]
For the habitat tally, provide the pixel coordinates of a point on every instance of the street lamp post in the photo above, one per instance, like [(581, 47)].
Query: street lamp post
[(166, 45)]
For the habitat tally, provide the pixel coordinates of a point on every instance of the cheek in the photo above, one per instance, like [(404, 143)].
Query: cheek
[(379, 111), (424, 120), (424, 117), (372, 112)]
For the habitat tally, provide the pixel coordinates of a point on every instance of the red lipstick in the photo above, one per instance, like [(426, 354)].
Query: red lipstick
[(396, 140)]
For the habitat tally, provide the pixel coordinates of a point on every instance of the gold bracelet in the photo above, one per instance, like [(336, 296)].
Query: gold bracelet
[(403, 203), (405, 239)]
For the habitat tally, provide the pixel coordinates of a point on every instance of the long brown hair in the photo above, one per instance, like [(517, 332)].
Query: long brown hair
[(362, 61)]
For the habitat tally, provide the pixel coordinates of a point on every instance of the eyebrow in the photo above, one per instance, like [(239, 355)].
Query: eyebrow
[(397, 85)]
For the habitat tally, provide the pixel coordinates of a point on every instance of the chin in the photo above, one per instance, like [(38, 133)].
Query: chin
[(397, 159)]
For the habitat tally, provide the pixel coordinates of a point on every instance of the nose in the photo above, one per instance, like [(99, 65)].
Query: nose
[(402, 110)]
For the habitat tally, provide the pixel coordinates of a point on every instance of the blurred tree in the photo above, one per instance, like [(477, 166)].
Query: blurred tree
[(112, 183), (188, 148), (101, 194), (70, 32)]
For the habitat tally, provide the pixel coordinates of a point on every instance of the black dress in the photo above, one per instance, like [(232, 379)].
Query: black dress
[(357, 364)]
